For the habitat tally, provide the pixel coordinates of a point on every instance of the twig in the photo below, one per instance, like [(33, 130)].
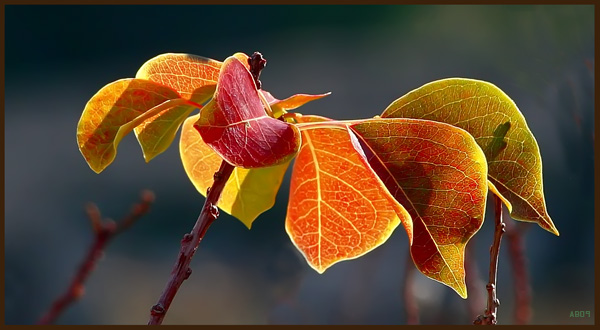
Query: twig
[(518, 260), (189, 244), (489, 317), (410, 304), (210, 212), (104, 232)]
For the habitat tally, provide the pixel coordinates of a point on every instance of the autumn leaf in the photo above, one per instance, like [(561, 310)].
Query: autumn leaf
[(338, 208), (247, 193), (236, 125), (438, 173), (114, 111), (487, 113), (279, 107), (193, 77)]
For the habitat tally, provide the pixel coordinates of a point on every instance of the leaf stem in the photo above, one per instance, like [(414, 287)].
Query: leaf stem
[(189, 244), (489, 317), (104, 232)]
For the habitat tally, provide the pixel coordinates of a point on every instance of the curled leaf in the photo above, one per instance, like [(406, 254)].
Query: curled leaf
[(493, 119), (247, 193), (114, 111), (236, 125), (438, 173), (279, 107)]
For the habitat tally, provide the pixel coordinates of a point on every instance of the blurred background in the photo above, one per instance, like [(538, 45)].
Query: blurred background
[(57, 57)]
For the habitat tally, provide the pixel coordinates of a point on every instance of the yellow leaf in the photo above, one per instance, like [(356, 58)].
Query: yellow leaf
[(248, 192), (114, 111)]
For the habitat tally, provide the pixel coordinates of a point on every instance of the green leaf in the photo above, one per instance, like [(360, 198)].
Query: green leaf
[(487, 113)]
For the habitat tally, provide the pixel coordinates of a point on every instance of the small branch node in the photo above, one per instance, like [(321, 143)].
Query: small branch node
[(188, 272), (157, 310), (186, 238), (214, 211)]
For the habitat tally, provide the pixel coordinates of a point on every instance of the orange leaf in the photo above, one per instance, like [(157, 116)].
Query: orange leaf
[(114, 111), (193, 77), (338, 208), (439, 174), (247, 193)]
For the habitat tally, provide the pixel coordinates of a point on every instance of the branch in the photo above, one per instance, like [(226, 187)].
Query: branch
[(104, 232), (489, 317), (410, 303), (514, 235), (189, 244)]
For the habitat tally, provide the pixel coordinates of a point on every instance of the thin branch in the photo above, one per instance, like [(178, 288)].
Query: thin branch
[(210, 212), (189, 244), (410, 304), (489, 317), (518, 260), (103, 233)]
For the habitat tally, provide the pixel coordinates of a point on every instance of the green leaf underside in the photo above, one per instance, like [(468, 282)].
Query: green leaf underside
[(438, 173), (493, 119)]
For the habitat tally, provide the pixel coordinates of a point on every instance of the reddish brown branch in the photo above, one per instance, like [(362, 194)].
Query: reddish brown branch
[(489, 316), (189, 244), (257, 62), (410, 304), (104, 232), (518, 260)]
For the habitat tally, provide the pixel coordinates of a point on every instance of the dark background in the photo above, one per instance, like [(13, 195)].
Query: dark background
[(57, 57)]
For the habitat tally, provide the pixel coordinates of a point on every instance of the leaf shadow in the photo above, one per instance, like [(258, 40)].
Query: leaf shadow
[(498, 142)]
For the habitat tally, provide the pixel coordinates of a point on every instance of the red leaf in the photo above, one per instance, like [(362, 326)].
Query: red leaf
[(236, 125)]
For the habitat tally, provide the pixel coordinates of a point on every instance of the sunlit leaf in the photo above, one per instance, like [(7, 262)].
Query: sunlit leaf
[(114, 111), (236, 125), (156, 134), (279, 107), (487, 113), (193, 77), (247, 193), (338, 208), (439, 174)]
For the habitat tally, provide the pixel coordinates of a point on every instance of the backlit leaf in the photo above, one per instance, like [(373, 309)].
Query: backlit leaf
[(193, 77), (236, 125), (338, 208), (487, 113), (279, 107), (114, 111), (247, 193), (439, 174)]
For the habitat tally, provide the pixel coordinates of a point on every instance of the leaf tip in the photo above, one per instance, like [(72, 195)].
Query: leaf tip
[(319, 269), (549, 226)]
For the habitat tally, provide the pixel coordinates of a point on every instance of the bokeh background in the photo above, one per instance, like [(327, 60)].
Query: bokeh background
[(57, 57)]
